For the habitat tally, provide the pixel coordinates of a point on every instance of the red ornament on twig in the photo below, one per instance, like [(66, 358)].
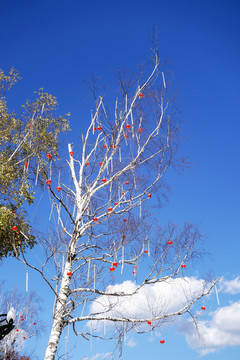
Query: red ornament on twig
[(115, 264), (183, 265), (49, 156), (149, 322), (105, 146), (140, 130), (127, 183), (141, 95), (145, 251), (99, 128), (95, 219), (112, 268), (100, 163), (162, 341), (26, 165), (150, 195), (69, 273), (104, 180), (14, 228), (110, 209), (88, 163), (170, 242), (203, 308), (58, 188), (127, 126), (48, 182), (71, 153)]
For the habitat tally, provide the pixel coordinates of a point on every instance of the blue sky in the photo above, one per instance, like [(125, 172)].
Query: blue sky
[(58, 45)]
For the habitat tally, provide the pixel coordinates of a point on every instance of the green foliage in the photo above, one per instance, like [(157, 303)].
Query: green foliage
[(24, 143)]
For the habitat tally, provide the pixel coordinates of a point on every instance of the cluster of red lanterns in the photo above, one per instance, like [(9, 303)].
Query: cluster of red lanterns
[(113, 267)]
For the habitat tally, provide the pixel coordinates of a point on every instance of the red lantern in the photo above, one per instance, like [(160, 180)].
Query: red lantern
[(14, 228), (150, 195), (127, 183), (22, 319), (203, 308), (105, 146), (170, 242), (34, 323), (17, 330), (71, 153), (69, 273), (104, 180), (112, 268), (124, 237), (58, 188), (88, 163), (149, 322), (48, 182), (134, 272), (99, 128), (24, 338), (141, 95), (145, 251), (162, 341), (49, 156), (110, 209), (95, 219), (113, 146), (126, 136), (140, 130), (116, 203), (100, 163), (183, 265), (26, 165), (125, 220), (135, 267), (94, 129), (115, 264)]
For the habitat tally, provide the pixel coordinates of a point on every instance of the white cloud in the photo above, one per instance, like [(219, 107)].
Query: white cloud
[(223, 329), (150, 301), (99, 356), (131, 343), (232, 286)]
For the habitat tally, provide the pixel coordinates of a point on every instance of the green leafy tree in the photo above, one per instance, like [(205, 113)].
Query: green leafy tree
[(24, 142)]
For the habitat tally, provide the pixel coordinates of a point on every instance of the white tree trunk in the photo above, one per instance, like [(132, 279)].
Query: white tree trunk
[(58, 320)]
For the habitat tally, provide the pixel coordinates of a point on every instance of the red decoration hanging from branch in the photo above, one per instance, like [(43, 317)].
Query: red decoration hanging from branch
[(58, 188), (127, 183), (69, 273), (100, 163), (26, 165), (88, 163), (149, 322), (104, 180), (99, 128), (183, 265), (127, 126), (140, 130), (112, 268), (71, 153), (141, 95), (115, 264), (14, 228), (48, 182), (170, 242), (162, 341), (110, 209), (203, 308), (105, 146), (95, 219), (150, 195), (49, 156)]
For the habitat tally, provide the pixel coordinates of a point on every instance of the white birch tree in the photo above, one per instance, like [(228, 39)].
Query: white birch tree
[(108, 223)]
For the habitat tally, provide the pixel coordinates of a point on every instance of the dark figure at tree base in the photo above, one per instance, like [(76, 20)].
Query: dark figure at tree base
[(6, 324)]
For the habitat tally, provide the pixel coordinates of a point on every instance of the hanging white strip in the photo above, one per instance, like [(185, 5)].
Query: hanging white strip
[(27, 280), (37, 175), (122, 259), (164, 84), (88, 274)]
